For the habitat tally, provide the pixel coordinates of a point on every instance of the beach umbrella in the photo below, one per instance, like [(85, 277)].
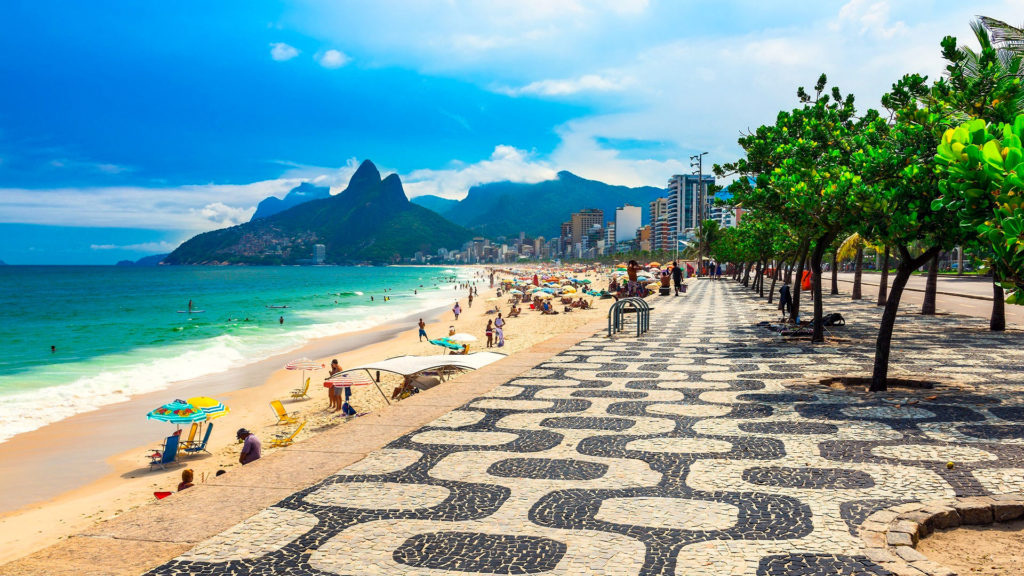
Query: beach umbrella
[(348, 379), (303, 364), (655, 264), (177, 412), (545, 295), (516, 292), (214, 408), (547, 290), (569, 290), (445, 344), (584, 281), (461, 337)]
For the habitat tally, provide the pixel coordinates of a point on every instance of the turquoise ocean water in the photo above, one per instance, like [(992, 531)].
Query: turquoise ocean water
[(118, 332)]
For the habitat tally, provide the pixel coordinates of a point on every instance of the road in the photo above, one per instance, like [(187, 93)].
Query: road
[(960, 295)]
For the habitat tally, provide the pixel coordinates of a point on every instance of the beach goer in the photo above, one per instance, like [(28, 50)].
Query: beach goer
[(423, 330), (785, 298), (499, 328), (632, 268), (470, 298), (457, 309), (280, 320), (451, 330), (489, 331), (53, 349), (718, 271), (186, 479), (677, 277), (251, 447)]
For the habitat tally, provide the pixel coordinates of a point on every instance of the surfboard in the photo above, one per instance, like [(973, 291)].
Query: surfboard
[(192, 312)]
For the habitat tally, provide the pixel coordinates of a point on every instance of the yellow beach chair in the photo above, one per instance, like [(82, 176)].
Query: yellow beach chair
[(286, 440), (301, 392), (191, 437), (282, 416)]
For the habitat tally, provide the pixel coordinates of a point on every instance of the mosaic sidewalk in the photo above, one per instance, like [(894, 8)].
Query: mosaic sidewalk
[(680, 452)]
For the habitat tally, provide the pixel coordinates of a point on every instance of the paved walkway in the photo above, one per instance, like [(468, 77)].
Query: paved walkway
[(681, 452)]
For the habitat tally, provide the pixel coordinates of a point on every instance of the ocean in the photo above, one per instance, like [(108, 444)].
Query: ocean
[(121, 331)]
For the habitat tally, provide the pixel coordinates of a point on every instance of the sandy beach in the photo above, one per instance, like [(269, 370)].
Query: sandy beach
[(64, 477)]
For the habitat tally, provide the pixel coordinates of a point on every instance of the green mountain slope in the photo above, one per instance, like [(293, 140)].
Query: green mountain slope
[(435, 203), (506, 208), (372, 220)]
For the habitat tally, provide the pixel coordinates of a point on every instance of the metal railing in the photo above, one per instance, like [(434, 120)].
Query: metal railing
[(636, 306)]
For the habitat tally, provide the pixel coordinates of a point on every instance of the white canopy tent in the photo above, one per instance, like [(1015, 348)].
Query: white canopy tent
[(410, 366)]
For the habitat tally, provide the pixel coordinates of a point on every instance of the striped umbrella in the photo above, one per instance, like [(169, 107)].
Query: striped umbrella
[(214, 408), (348, 379), (177, 412), (303, 364)]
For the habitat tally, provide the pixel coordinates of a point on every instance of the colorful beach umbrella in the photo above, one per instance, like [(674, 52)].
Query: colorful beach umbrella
[(461, 337), (177, 412), (214, 408), (445, 344)]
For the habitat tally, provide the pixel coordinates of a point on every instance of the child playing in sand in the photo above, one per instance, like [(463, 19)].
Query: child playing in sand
[(186, 479)]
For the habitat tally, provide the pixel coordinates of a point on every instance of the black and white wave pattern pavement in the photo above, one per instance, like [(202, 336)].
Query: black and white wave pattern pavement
[(677, 453)]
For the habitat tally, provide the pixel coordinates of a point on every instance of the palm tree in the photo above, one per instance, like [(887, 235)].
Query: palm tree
[(853, 247), (1004, 36)]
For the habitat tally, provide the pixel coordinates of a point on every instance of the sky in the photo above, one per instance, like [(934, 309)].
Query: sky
[(127, 127)]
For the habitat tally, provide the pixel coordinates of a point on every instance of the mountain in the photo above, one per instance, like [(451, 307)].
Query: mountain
[(371, 220), (506, 208), (435, 203), (302, 193), (153, 260)]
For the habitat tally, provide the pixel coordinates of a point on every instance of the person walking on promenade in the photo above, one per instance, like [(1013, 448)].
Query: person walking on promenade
[(677, 277), (251, 447), (499, 327), (785, 298), (489, 331), (457, 310)]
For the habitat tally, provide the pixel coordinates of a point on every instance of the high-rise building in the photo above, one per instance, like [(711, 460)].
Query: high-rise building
[(319, 253), (627, 222), (657, 214), (643, 238), (609, 236), (685, 211), (584, 223)]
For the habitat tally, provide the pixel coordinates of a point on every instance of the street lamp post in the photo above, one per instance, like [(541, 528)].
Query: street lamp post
[(697, 162)]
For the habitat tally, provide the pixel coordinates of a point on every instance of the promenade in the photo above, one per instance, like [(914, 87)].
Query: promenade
[(706, 446)]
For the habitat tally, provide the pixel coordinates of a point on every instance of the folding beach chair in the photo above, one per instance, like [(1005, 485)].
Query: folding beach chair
[(167, 456), (301, 392), (201, 447), (286, 440), (191, 437), (282, 415)]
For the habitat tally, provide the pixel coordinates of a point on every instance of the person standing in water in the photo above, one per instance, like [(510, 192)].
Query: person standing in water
[(280, 320)]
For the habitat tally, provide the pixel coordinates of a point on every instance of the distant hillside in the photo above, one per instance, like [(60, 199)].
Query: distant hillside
[(435, 203), (302, 193), (506, 208), (372, 220), (153, 260)]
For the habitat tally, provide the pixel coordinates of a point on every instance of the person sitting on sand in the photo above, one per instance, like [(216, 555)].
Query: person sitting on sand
[(251, 447), (186, 479)]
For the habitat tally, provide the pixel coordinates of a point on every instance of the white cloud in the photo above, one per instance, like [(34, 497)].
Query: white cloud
[(281, 52), (505, 164), (585, 83), (870, 17), (189, 209), (333, 59), (154, 247)]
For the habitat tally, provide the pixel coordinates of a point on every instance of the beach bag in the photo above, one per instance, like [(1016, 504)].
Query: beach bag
[(347, 409), (833, 319)]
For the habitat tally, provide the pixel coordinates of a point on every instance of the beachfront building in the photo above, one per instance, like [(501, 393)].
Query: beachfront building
[(627, 221), (643, 238), (685, 210), (584, 224), (609, 236), (319, 254), (657, 218)]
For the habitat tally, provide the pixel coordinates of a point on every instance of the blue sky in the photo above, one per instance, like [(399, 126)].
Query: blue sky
[(126, 127)]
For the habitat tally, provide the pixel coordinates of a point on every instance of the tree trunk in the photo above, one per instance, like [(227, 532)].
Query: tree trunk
[(858, 272), (835, 272), (775, 278), (931, 286), (883, 345), (801, 258), (883, 285), (997, 322), (959, 260), (746, 273), (818, 334)]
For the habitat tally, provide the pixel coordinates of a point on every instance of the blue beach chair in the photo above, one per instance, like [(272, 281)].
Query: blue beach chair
[(168, 456), (201, 447)]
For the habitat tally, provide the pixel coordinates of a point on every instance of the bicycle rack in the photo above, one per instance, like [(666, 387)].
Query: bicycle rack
[(637, 306)]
